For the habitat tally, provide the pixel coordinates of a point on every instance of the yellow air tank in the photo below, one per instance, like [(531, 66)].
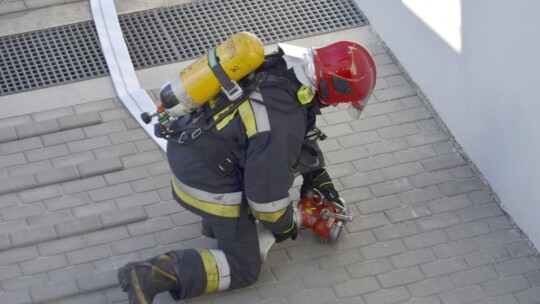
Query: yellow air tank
[(239, 55)]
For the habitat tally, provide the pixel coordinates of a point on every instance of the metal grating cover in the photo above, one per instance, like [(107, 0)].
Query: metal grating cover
[(165, 35)]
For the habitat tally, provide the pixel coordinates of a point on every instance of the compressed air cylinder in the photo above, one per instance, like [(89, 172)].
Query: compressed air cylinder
[(239, 55)]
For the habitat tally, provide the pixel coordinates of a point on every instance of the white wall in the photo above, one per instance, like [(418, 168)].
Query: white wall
[(478, 63)]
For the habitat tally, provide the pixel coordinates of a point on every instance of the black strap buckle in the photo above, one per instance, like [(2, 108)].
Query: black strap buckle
[(227, 166)]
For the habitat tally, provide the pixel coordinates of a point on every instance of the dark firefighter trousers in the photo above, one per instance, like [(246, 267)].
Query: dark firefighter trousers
[(239, 243)]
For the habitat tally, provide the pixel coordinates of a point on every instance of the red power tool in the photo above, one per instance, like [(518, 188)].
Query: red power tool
[(324, 217)]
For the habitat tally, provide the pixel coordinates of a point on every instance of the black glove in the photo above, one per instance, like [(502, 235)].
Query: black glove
[(321, 181), (291, 232)]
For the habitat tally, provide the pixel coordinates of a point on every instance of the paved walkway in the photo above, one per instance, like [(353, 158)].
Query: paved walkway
[(85, 190)]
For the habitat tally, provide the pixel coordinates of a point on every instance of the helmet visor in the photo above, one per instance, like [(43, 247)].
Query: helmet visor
[(356, 107)]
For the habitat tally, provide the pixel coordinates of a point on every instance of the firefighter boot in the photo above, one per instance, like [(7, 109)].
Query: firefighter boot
[(144, 280)]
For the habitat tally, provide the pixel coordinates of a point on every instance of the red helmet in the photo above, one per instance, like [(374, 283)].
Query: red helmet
[(345, 72)]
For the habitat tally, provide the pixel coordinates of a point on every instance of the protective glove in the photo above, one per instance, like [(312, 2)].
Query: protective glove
[(291, 232), (321, 181)]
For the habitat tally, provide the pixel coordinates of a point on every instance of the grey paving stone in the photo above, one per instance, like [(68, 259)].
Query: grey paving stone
[(320, 295), (391, 187), (388, 296), (127, 136), (375, 162), (438, 221), (400, 277), (152, 183), (463, 295), (88, 144), (365, 222), (114, 114), (46, 153), (4, 242), (415, 196), (496, 239), (461, 186), (443, 162), (12, 160), (58, 175), (410, 115), (377, 204), (519, 250), (181, 218), (296, 269), (382, 249), (7, 134), (362, 179), (431, 178), (141, 199), (52, 114), (144, 158), (43, 264), (517, 266), (54, 291), (395, 93), (398, 131), (89, 254), (23, 211), (404, 170), (122, 217), (356, 287), (467, 230), (105, 236), (110, 192), (133, 244), (336, 260), (474, 276), (104, 128), (506, 299), (100, 166), (35, 4), (9, 272), (412, 258), (395, 231), (426, 239), (415, 154), (309, 250), (358, 139), (66, 201), (72, 160), (94, 209), (97, 281), (407, 213), (506, 285), (32, 236), (529, 296), (479, 212), (388, 70), (29, 169), (20, 145), (430, 287), (62, 137), (8, 200), (60, 246), (449, 204), (444, 267), (487, 257), (387, 146), (95, 106), (178, 234), (82, 225), (16, 184), (353, 240), (163, 167), (345, 155), (78, 120), (456, 248), (150, 226), (499, 223), (21, 296), (36, 129), (370, 123), (86, 184), (17, 255), (426, 138), (125, 176)]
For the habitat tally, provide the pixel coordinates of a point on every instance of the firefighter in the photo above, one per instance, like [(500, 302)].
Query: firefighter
[(242, 169)]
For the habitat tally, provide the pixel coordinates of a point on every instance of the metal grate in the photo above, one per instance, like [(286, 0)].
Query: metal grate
[(161, 36)]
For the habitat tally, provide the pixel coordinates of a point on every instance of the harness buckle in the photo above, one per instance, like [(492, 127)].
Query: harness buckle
[(227, 166), (196, 133)]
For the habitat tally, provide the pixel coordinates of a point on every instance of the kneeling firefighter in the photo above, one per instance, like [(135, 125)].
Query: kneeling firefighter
[(234, 157)]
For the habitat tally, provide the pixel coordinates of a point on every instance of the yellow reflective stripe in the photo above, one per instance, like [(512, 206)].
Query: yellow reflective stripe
[(211, 208), (305, 95), (212, 274), (220, 125), (248, 118), (269, 217)]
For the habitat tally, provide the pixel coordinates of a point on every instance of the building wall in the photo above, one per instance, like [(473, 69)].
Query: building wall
[(477, 63)]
